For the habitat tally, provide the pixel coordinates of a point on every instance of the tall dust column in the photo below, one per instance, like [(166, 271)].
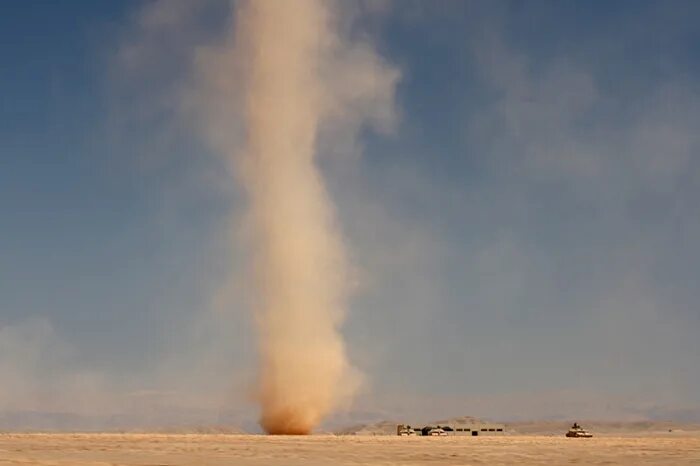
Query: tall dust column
[(299, 263)]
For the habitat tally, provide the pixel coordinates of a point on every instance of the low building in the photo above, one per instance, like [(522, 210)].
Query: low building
[(466, 426)]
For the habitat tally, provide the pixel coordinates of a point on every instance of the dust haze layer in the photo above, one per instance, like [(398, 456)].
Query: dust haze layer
[(299, 258)]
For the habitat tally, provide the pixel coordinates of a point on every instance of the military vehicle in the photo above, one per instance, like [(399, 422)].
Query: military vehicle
[(576, 431)]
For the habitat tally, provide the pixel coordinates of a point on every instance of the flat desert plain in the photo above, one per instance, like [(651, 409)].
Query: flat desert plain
[(210, 449)]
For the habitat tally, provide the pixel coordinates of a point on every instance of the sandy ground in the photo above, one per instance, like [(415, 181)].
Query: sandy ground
[(160, 450)]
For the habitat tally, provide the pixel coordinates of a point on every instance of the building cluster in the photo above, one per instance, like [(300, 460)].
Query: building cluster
[(455, 428)]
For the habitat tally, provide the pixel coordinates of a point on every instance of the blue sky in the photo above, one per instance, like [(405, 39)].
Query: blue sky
[(527, 236)]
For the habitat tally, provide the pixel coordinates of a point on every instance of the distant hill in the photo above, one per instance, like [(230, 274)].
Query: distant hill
[(460, 420), (600, 427), (375, 428)]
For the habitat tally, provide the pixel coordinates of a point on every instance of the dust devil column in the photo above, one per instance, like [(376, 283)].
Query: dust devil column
[(299, 257)]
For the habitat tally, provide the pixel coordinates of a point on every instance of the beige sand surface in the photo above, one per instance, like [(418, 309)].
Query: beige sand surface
[(191, 449)]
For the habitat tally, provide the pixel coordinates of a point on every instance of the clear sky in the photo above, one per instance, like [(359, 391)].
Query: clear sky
[(526, 240)]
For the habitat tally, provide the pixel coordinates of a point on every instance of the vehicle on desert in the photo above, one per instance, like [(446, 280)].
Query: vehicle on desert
[(404, 430), (576, 431), (437, 431)]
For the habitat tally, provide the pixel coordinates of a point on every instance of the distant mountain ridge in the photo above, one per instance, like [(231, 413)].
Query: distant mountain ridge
[(361, 423), (600, 427)]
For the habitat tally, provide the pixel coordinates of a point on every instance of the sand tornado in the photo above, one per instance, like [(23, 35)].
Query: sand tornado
[(282, 83), (299, 263)]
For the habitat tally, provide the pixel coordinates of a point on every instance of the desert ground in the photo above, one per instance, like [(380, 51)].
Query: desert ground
[(243, 450)]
